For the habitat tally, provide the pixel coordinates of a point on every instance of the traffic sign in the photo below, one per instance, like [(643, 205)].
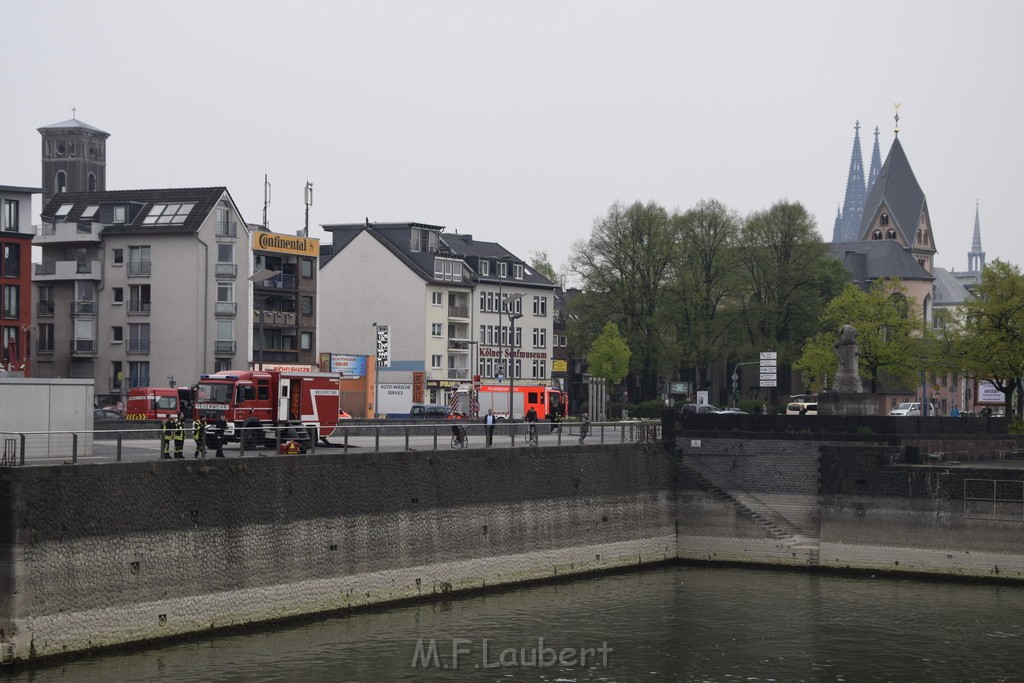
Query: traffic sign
[(769, 382), (769, 363), (769, 355)]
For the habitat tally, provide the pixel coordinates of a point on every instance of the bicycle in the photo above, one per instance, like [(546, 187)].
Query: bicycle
[(531, 434), (459, 438)]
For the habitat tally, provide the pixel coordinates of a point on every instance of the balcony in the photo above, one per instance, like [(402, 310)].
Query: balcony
[(73, 233), (44, 309), (83, 347), (227, 270), (459, 344), (138, 346), (281, 281), (227, 229), (53, 271), (115, 385), (223, 347), (458, 373), (458, 311), (82, 307), (44, 346), (225, 308), (139, 307), (277, 318), (140, 268)]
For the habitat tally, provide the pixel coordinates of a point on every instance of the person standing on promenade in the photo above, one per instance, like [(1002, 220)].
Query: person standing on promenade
[(489, 426), (199, 436), (215, 435), (584, 426), (178, 430), (166, 437)]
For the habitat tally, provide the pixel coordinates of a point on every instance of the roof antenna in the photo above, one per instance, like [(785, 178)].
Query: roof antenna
[(308, 198), (266, 201), (897, 117)]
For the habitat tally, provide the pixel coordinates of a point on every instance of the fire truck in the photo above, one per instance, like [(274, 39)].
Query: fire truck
[(251, 400), (157, 403), (545, 400)]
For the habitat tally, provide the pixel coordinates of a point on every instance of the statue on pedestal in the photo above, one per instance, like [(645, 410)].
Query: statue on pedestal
[(848, 376)]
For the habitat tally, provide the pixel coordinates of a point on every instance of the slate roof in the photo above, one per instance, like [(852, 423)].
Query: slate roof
[(138, 203), (395, 237), (897, 188), (869, 260), (949, 291), (473, 251), (74, 123)]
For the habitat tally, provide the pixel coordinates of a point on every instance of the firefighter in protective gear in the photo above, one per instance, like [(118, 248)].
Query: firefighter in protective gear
[(199, 436), (178, 431), (166, 437)]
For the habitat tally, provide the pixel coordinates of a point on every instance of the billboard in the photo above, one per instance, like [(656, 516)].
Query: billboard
[(987, 393), (349, 366)]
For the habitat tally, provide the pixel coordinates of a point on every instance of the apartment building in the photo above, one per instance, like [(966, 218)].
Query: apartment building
[(16, 233), (142, 287)]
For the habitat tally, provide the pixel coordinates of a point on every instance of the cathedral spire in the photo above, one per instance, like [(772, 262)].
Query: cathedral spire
[(876, 163), (847, 225), (976, 257)]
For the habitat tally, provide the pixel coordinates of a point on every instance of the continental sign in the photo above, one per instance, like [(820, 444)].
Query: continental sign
[(286, 244)]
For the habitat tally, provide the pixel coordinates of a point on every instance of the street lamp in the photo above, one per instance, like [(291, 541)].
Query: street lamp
[(261, 277), (512, 317)]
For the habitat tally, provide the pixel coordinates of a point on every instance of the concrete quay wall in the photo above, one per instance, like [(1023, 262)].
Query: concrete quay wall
[(98, 555)]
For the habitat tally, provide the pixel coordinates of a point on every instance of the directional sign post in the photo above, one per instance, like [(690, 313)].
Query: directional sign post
[(769, 369)]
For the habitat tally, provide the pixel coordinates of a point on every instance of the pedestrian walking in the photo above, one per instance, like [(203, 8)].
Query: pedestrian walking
[(584, 426), (179, 436), (215, 435), (489, 426), (166, 437), (199, 436), (556, 414)]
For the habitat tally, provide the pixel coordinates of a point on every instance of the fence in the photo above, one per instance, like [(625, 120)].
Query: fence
[(136, 443)]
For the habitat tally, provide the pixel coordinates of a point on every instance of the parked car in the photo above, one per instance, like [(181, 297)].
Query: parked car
[(342, 415), (912, 410), (802, 408), (699, 408), (106, 414), (428, 411), (731, 411)]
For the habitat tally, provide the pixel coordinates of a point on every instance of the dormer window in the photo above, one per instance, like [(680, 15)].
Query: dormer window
[(517, 271), (485, 267), (119, 214), (63, 210), (502, 269), (423, 239)]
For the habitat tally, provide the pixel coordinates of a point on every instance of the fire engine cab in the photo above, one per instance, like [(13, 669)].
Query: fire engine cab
[(251, 400), (544, 400)]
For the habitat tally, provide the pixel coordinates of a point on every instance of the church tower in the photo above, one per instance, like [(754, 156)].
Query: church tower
[(976, 257), (848, 220), (74, 158), (876, 168)]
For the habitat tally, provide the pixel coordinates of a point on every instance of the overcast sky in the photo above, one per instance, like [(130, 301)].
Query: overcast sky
[(521, 122)]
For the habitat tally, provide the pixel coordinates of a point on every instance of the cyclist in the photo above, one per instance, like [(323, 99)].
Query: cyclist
[(531, 422), (458, 430)]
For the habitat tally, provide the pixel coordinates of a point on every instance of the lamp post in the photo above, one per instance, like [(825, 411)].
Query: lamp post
[(261, 277), (512, 317)]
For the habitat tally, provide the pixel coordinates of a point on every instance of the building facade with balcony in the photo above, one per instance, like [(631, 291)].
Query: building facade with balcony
[(401, 275), (440, 295), (137, 287), (16, 233), (285, 304)]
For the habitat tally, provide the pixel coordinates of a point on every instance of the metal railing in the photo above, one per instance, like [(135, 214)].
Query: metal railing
[(133, 442)]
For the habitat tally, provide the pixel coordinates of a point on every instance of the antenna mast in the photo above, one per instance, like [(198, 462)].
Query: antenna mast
[(308, 198), (266, 200)]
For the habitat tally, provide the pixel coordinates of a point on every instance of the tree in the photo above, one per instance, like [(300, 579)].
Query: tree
[(623, 268), (890, 336), (540, 263), (993, 344), (609, 356), (789, 278), (704, 275)]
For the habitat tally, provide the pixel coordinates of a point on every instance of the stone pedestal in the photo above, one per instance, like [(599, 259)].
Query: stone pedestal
[(843, 403)]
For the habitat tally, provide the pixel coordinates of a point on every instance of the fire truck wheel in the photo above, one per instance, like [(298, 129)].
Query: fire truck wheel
[(252, 434)]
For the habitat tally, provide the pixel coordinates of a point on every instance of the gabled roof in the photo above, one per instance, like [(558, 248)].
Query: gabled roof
[(74, 123), (473, 251), (896, 187), (869, 260), (395, 237), (949, 291), (139, 203)]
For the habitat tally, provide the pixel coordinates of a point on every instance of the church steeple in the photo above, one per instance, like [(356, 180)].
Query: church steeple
[(876, 164), (847, 225), (976, 257)]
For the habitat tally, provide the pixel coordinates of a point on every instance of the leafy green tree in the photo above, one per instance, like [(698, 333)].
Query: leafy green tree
[(789, 278), (609, 356), (540, 263), (890, 336), (704, 284), (623, 269), (993, 342)]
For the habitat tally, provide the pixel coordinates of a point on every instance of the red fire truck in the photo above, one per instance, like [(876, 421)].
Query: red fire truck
[(249, 400), (545, 400), (157, 403)]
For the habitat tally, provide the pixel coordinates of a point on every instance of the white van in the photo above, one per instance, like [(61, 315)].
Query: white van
[(912, 410), (802, 408)]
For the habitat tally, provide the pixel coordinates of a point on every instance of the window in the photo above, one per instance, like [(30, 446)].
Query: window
[(138, 374), (502, 269), (306, 267), (225, 299), (12, 260), (139, 261), (11, 302), (435, 362), (485, 267), (119, 216), (116, 334), (884, 219), (44, 342), (540, 338), (117, 256), (118, 295), (138, 299), (543, 310), (517, 271), (138, 338), (63, 210), (44, 306), (540, 369), (116, 370), (11, 215), (306, 305), (437, 298), (62, 177), (436, 329), (168, 214), (85, 338), (225, 226), (92, 182), (90, 211), (305, 341), (226, 252), (423, 239), (448, 269), (225, 337)]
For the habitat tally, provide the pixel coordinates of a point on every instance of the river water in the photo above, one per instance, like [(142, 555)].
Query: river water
[(681, 623)]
